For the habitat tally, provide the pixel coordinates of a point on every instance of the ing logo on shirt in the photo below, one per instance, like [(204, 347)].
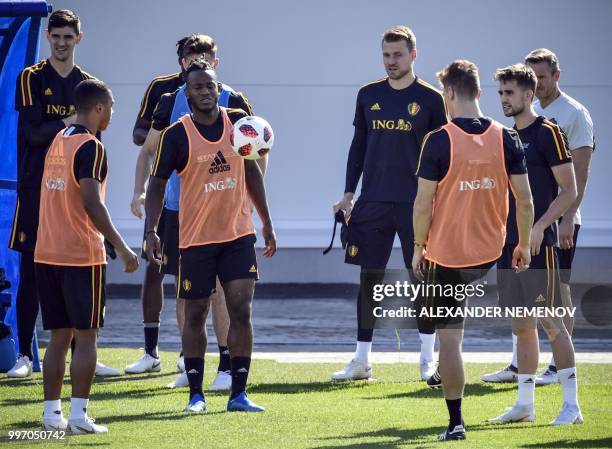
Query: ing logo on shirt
[(55, 184), (60, 109), (477, 184), (392, 125)]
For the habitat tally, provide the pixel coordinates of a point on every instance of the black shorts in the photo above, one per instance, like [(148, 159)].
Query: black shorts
[(371, 231), (538, 286), (25, 221), (170, 242), (71, 297), (566, 257), (435, 299), (199, 266)]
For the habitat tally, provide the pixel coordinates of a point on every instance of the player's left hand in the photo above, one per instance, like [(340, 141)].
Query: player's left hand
[(566, 233), (270, 240), (537, 235), (153, 249), (417, 263)]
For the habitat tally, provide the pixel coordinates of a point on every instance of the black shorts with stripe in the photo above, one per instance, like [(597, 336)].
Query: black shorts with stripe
[(566, 257), (200, 266), (25, 221), (538, 286), (371, 232), (71, 297), (170, 242), (436, 300)]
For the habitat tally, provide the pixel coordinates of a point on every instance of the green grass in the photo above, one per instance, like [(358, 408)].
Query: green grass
[(305, 410)]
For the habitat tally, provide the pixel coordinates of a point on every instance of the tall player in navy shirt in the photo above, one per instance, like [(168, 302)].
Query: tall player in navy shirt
[(392, 116)]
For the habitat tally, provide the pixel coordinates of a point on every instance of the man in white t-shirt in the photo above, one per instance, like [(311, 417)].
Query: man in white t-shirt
[(575, 121)]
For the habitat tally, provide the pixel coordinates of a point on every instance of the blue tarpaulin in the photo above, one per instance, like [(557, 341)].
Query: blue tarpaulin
[(19, 43)]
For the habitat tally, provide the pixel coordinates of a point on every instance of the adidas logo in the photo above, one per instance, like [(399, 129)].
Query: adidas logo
[(219, 164), (193, 371), (58, 412), (226, 352), (243, 370), (540, 298), (253, 269), (375, 107), (48, 92), (529, 381), (572, 376)]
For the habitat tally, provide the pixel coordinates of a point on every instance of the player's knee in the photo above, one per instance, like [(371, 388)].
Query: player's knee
[(554, 329), (240, 314)]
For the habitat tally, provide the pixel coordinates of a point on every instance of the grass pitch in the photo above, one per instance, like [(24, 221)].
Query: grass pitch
[(306, 410)]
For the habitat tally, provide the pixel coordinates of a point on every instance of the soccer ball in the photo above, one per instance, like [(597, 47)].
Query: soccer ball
[(252, 137)]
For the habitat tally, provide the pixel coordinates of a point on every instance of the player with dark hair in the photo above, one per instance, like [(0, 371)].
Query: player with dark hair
[(70, 257), (169, 109), (45, 101), (391, 118), (553, 185), (451, 252), (216, 230)]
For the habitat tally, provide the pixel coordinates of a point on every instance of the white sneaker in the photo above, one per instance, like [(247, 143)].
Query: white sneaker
[(547, 377), (223, 382), (180, 364), (22, 367), (105, 371), (516, 413), (503, 375), (570, 414), (181, 381), (145, 364), (428, 369), (55, 423), (87, 425), (355, 370)]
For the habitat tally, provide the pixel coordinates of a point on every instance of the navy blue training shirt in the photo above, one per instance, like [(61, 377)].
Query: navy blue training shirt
[(390, 126), (545, 147)]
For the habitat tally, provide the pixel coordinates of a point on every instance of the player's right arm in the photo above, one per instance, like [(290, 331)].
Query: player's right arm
[(90, 170), (37, 132), (356, 158), (172, 154), (519, 183), (161, 120)]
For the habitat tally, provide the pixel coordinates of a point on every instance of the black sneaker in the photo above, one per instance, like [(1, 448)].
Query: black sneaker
[(458, 433), (435, 381)]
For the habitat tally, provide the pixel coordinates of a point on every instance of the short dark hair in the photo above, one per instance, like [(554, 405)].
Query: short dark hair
[(524, 75), (399, 33), (199, 44), (199, 65), (180, 44), (543, 55), (88, 93), (462, 76), (64, 18)]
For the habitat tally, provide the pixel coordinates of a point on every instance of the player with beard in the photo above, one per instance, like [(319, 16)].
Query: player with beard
[(216, 236), (553, 186), (392, 117)]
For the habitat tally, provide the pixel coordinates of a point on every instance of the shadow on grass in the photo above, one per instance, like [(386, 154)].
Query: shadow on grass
[(590, 443), (426, 436), (471, 390), (306, 387), (152, 390), (137, 417)]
